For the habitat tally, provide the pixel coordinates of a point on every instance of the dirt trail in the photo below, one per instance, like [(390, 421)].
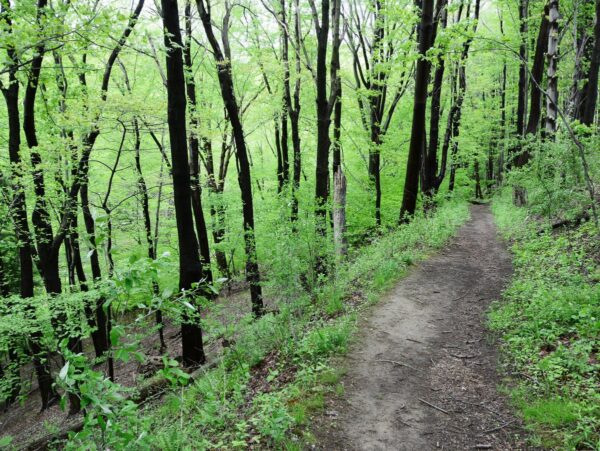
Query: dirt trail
[(422, 373)]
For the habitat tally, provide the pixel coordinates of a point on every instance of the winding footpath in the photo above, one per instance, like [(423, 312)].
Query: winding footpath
[(422, 373)]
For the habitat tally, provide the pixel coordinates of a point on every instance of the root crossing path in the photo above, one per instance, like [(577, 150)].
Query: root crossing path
[(423, 372)]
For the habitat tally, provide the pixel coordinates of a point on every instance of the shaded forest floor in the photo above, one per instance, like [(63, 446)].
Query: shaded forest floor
[(422, 373)]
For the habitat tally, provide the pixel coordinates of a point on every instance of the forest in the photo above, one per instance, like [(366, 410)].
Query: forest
[(207, 206)]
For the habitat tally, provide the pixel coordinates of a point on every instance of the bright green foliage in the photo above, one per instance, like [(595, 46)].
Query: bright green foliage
[(231, 406), (550, 325)]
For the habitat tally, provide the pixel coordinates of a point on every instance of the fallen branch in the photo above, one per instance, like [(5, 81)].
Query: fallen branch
[(398, 363), (508, 423), (435, 407)]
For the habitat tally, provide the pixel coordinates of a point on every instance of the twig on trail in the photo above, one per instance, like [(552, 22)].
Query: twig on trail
[(416, 341), (435, 407), (461, 297), (464, 356), (481, 404), (398, 363), (483, 446), (489, 431)]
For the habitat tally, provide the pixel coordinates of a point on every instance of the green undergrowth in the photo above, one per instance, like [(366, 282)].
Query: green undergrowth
[(276, 374), (549, 321)]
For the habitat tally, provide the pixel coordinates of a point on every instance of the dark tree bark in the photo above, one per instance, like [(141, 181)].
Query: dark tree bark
[(583, 21), (329, 16), (519, 193), (216, 185), (417, 139), (478, 190), (194, 148), (591, 97), (294, 106), (456, 112), (523, 77), (48, 254), (552, 76), (537, 75), (244, 177), (285, 100), (502, 131), (19, 209), (190, 268), (430, 180)]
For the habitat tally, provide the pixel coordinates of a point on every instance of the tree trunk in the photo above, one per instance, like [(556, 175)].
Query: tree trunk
[(591, 96), (552, 55), (537, 75), (190, 268), (18, 210), (294, 111), (339, 213), (244, 176), (429, 182), (194, 148), (417, 139), (323, 123), (522, 88)]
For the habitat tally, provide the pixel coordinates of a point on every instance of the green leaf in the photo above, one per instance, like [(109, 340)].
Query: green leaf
[(64, 371), (5, 441)]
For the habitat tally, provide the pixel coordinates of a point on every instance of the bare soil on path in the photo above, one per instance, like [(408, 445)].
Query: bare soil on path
[(422, 373)]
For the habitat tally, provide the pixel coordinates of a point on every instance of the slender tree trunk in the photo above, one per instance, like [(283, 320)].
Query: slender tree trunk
[(323, 123), (478, 190), (244, 176), (294, 111), (18, 209), (522, 88), (190, 268), (591, 97), (339, 213), (429, 176), (417, 139), (552, 55), (194, 148), (537, 75)]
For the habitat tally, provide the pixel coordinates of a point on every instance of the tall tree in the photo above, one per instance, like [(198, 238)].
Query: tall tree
[(552, 55), (537, 75), (417, 137), (194, 146), (329, 17), (18, 208), (373, 60), (591, 97), (190, 267), (223, 63), (430, 178)]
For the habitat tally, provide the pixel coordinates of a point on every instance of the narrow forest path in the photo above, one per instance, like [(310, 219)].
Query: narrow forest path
[(422, 373)]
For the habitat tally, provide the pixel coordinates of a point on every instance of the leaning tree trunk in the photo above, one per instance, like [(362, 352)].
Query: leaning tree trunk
[(244, 176), (417, 139), (190, 268)]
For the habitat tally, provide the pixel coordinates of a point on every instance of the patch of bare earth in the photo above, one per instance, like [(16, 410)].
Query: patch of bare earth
[(422, 373)]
